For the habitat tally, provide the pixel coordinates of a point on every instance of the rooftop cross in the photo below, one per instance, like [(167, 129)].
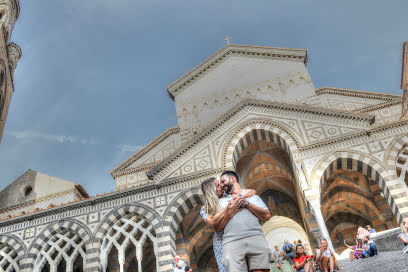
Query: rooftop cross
[(227, 39)]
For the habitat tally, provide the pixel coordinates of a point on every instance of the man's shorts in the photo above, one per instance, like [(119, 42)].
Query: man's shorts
[(253, 249)]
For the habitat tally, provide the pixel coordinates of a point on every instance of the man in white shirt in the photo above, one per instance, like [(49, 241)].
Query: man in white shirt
[(179, 265), (244, 244)]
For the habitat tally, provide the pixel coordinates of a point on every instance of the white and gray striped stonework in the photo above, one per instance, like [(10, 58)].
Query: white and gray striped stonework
[(24, 239), (392, 189)]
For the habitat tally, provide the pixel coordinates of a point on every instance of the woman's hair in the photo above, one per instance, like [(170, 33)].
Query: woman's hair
[(359, 243), (211, 205), (297, 255), (402, 225)]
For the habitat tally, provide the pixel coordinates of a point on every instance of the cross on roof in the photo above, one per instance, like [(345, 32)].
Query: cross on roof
[(227, 39)]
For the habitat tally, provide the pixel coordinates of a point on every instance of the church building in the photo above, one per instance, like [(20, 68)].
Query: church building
[(324, 160)]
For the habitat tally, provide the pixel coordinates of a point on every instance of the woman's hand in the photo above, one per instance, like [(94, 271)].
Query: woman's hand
[(235, 205)]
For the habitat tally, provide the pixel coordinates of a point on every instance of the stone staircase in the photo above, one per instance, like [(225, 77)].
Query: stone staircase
[(387, 261)]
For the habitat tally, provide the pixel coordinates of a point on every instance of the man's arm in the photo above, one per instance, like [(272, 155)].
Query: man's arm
[(260, 212)]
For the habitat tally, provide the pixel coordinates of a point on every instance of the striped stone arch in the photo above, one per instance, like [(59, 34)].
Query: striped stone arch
[(397, 160), (36, 249), (253, 131), (11, 251), (178, 208), (373, 169), (393, 153), (110, 219)]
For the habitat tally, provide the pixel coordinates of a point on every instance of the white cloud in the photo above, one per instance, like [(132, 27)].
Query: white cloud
[(128, 148), (28, 136)]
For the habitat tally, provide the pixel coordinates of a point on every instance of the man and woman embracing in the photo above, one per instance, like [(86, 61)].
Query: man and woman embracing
[(239, 243)]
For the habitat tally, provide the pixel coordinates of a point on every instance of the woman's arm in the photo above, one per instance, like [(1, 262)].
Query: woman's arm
[(300, 265), (219, 220), (403, 239), (248, 193)]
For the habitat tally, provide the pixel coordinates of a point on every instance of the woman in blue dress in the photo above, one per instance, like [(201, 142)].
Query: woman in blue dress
[(216, 218)]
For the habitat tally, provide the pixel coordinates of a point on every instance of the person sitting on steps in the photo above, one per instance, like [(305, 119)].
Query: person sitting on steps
[(325, 257), (303, 262), (403, 236), (370, 248)]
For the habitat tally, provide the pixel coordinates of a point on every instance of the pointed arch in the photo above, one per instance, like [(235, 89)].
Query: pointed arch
[(257, 129), (369, 167), (178, 208), (64, 240), (136, 223), (11, 251)]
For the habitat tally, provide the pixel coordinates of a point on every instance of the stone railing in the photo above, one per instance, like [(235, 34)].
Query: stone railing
[(387, 240)]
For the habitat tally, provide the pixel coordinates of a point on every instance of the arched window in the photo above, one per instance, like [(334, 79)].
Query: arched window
[(129, 243)]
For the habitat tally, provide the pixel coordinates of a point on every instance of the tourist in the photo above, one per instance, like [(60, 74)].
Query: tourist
[(179, 265), (277, 257), (361, 232), (244, 244), (324, 257), (370, 229), (290, 254), (314, 258), (356, 251), (403, 236), (370, 249), (302, 261), (217, 219), (299, 242)]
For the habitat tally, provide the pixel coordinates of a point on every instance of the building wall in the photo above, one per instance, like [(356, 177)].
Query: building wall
[(164, 207), (10, 53)]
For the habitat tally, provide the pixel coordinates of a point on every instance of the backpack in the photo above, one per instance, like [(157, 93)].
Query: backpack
[(288, 248)]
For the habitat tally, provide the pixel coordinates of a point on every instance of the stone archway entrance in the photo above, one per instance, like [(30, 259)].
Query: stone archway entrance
[(351, 197), (263, 162), (280, 228)]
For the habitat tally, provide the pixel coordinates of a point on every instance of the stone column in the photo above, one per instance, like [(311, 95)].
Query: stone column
[(166, 250), (315, 203), (139, 255)]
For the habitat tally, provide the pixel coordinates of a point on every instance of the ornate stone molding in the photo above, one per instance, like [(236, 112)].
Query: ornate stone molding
[(115, 199), (9, 12), (260, 104), (357, 93), (39, 200), (119, 170), (379, 106), (357, 138), (234, 49), (14, 54)]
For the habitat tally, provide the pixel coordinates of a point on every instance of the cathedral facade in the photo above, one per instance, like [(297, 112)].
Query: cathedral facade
[(325, 161)]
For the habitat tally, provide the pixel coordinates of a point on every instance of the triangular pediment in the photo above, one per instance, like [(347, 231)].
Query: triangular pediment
[(237, 50)]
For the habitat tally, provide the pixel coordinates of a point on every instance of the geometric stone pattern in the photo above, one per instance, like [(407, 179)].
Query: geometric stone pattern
[(10, 253), (140, 231)]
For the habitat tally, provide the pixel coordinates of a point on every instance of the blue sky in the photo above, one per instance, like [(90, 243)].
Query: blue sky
[(90, 88)]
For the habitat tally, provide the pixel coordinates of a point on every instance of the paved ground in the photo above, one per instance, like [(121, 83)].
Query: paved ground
[(391, 261)]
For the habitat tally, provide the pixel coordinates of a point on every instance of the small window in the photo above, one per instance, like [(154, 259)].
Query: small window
[(28, 191)]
